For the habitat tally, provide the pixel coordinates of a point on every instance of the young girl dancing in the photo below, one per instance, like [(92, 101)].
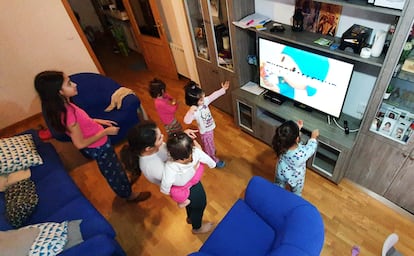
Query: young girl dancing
[(165, 105), (55, 90), (199, 111), (182, 170), (292, 155)]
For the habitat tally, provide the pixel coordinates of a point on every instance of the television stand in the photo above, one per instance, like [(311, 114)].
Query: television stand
[(302, 106), (260, 117), (274, 97)]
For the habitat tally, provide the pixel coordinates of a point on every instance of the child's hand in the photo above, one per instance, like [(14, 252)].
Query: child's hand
[(300, 124), (191, 133), (315, 134), (112, 130), (105, 122), (193, 108), (225, 85)]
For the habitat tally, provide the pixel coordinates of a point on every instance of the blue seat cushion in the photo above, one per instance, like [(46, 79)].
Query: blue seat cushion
[(93, 223), (241, 226)]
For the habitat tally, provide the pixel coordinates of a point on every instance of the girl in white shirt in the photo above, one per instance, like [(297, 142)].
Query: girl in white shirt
[(146, 152), (184, 168), (199, 111)]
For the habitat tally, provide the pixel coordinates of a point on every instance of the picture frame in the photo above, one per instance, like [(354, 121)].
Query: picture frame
[(387, 126)]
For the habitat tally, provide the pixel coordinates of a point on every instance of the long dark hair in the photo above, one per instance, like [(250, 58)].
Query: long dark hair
[(48, 84), (180, 146), (193, 93), (139, 137), (156, 87), (285, 137)]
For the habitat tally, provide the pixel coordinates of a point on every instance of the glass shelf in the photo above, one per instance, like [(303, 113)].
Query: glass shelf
[(220, 26), (198, 32), (395, 117)]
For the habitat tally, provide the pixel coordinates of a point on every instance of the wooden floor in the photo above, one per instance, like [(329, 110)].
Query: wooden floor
[(157, 226)]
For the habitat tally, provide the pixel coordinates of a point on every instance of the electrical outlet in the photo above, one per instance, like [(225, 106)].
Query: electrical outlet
[(361, 108)]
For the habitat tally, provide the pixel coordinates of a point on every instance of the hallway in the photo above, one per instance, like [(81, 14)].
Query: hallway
[(114, 64)]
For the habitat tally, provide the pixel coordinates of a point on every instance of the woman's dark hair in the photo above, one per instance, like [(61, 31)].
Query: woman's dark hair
[(48, 85), (156, 87), (139, 137), (193, 93), (180, 146), (285, 137)]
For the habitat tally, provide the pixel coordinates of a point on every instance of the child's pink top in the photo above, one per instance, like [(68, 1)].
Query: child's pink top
[(166, 111), (87, 125)]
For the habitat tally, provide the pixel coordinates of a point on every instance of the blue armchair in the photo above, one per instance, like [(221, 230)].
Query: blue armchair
[(94, 96), (269, 221)]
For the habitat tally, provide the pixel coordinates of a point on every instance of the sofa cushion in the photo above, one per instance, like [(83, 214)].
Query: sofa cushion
[(18, 153), (74, 234), (93, 222), (17, 242), (21, 200), (240, 226), (51, 239), (54, 195)]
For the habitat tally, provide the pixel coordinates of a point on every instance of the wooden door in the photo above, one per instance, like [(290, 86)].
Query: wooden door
[(374, 163), (82, 35), (400, 189), (150, 34)]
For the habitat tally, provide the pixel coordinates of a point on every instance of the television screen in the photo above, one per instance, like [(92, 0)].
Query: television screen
[(311, 79)]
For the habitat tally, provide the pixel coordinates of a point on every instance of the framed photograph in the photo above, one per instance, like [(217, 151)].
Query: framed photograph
[(328, 19), (376, 123), (310, 10), (392, 114), (400, 129), (387, 126)]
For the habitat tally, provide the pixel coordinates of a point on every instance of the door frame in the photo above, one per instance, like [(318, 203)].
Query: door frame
[(142, 39), (82, 35)]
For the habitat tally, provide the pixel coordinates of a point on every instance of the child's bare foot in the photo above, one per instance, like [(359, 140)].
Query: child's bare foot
[(205, 228), (184, 204)]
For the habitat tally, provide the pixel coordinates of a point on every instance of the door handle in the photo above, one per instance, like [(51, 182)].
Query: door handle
[(159, 28)]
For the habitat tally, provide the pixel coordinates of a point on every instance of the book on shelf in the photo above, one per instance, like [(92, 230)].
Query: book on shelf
[(255, 20)]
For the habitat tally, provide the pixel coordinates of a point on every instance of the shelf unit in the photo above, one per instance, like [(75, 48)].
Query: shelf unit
[(363, 5), (333, 151), (370, 159)]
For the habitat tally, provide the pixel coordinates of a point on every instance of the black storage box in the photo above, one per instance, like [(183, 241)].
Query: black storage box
[(356, 37)]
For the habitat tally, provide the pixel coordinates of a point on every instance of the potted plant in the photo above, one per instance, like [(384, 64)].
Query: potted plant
[(388, 92)]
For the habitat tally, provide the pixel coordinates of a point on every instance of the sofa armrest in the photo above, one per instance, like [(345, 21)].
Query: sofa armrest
[(130, 102), (101, 245)]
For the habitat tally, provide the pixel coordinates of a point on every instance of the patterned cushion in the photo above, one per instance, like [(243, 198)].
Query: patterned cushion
[(18, 153), (51, 239), (17, 241), (21, 200)]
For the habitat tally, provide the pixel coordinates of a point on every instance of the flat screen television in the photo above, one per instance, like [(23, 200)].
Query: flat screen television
[(310, 79)]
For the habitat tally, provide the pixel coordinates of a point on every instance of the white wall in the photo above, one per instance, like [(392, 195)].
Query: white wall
[(35, 36), (361, 84)]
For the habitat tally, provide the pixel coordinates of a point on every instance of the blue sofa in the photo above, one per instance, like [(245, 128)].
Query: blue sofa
[(60, 200), (269, 221), (94, 96)]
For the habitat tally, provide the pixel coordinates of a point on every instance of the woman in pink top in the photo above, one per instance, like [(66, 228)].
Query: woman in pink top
[(165, 105), (89, 135)]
